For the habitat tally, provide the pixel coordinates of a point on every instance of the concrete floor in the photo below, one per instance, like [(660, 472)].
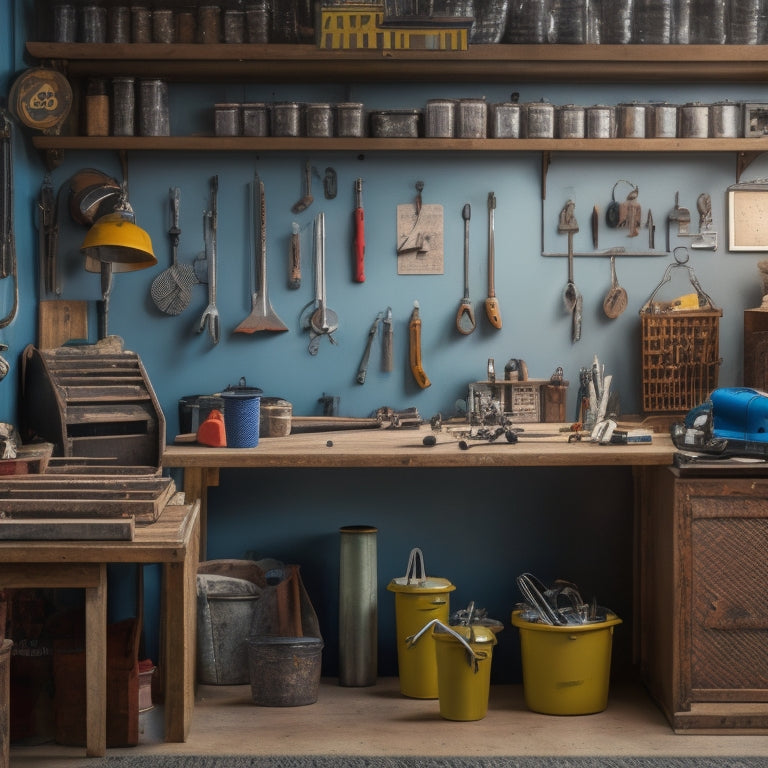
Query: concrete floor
[(378, 720)]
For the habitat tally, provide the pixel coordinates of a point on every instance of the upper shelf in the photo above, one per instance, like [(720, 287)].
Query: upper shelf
[(481, 63)]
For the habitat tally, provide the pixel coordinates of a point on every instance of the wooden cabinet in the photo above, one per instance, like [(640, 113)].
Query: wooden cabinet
[(703, 613)]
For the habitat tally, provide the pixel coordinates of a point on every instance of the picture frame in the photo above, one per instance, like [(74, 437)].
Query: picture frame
[(748, 216)]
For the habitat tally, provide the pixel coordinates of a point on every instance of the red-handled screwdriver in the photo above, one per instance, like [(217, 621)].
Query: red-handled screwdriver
[(359, 244)]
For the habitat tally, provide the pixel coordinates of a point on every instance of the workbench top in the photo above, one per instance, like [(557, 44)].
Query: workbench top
[(404, 448)]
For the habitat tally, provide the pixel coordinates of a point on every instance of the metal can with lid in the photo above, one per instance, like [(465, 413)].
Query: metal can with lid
[(540, 122), (93, 24), (257, 22), (255, 119), (163, 25), (286, 118), (570, 121), (141, 24), (599, 122), (209, 24), (630, 121), (350, 119), (439, 118), (227, 119), (318, 120), (119, 24), (154, 116), (234, 25), (395, 124), (726, 120), (694, 121), (64, 23), (662, 120), (471, 119), (505, 120), (123, 106)]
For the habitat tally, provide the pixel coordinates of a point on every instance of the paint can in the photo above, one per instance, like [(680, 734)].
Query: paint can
[(286, 118), (318, 119), (255, 119), (662, 121), (227, 119), (726, 120), (694, 121), (506, 120), (570, 122), (154, 117), (600, 122), (439, 117), (540, 120), (471, 119), (630, 121), (349, 119)]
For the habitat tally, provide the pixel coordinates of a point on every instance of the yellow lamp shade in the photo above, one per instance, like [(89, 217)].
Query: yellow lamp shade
[(117, 240)]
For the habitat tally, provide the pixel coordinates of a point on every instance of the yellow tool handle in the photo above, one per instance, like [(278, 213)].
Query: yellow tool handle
[(414, 330)]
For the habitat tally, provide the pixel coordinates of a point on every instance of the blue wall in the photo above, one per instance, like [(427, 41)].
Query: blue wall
[(479, 528)]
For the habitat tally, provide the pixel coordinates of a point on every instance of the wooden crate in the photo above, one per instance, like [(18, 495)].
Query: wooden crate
[(680, 359)]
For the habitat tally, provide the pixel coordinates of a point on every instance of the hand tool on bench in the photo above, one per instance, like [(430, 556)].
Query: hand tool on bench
[(465, 317), (359, 243), (262, 317), (492, 303)]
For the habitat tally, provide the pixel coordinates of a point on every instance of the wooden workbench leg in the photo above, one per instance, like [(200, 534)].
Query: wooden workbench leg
[(179, 628), (197, 480), (96, 667)]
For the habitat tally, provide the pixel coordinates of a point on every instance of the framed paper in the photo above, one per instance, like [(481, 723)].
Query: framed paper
[(748, 217)]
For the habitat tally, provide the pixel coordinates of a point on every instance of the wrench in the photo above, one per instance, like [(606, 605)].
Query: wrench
[(210, 315)]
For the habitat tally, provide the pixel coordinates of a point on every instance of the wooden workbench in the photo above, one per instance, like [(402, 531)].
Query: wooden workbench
[(173, 541), (373, 448)]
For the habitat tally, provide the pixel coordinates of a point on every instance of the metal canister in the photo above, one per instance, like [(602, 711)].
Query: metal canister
[(506, 120), (318, 120), (617, 22), (123, 106), (350, 119), (141, 24), (227, 119), (286, 118), (600, 122), (119, 24), (163, 30), (255, 119), (630, 121), (439, 118), (93, 24), (209, 24), (694, 121), (257, 22), (154, 115), (725, 120), (395, 123), (570, 121), (471, 119), (540, 120), (64, 23), (661, 121), (652, 22), (234, 26), (186, 26)]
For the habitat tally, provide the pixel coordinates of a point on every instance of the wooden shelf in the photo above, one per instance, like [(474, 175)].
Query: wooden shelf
[(271, 144), (270, 63)]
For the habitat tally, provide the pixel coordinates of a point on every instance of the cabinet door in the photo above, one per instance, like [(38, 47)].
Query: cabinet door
[(729, 591)]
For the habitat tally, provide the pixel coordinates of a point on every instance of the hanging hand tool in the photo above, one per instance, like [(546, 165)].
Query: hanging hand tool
[(171, 290), (210, 316), (322, 321), (465, 317), (651, 230), (47, 242), (294, 258), (571, 297), (595, 226), (262, 317), (414, 331), (7, 239), (362, 371), (307, 200), (359, 244), (387, 361), (615, 301), (417, 244), (492, 303), (683, 218)]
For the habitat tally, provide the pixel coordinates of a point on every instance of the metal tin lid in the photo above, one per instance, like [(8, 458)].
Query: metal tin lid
[(241, 391), (430, 584)]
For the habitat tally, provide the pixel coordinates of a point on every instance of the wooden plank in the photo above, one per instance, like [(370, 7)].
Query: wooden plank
[(61, 321), (54, 529)]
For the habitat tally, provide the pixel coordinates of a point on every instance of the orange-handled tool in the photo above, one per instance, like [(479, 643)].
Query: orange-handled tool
[(414, 332), (359, 244)]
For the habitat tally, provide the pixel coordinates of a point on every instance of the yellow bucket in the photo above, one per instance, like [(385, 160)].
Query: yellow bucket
[(416, 604), (463, 687), (566, 669)]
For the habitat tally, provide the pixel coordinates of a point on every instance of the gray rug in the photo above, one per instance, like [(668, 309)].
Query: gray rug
[(284, 761)]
